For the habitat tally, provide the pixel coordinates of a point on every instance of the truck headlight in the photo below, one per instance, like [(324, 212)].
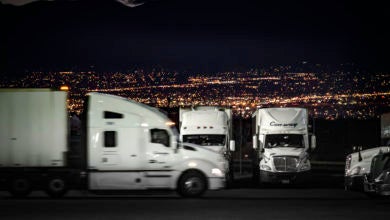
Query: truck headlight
[(355, 170), (217, 172), (265, 167), (305, 167)]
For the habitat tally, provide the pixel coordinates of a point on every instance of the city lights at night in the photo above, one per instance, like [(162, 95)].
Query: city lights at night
[(341, 94)]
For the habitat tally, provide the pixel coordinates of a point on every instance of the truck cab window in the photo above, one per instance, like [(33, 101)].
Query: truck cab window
[(206, 140), (159, 136), (112, 115), (110, 139), (284, 140)]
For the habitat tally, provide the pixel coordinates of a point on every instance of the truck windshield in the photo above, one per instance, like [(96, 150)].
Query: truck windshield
[(205, 140), (284, 140)]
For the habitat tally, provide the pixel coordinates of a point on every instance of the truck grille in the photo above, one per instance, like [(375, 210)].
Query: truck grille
[(286, 163)]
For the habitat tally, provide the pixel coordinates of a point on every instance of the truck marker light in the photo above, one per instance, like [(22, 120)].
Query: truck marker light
[(170, 123), (64, 88)]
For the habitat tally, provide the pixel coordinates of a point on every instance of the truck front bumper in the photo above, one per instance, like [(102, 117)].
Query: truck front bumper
[(355, 183), (376, 188), (216, 183), (383, 189), (284, 177)]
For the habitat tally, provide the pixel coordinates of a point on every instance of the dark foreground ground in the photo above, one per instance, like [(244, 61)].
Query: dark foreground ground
[(324, 199)]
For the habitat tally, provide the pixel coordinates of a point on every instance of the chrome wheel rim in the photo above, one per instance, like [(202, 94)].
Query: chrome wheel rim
[(193, 185)]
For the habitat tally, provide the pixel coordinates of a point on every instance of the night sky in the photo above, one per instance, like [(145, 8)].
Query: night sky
[(192, 36)]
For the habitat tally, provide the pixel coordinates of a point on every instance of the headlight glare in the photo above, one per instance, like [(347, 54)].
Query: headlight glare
[(356, 170), (265, 167), (305, 167), (216, 172)]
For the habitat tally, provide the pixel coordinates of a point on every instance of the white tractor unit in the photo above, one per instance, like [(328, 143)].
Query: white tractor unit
[(126, 146), (281, 143)]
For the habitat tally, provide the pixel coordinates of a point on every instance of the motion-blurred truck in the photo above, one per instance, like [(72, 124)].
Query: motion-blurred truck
[(125, 146)]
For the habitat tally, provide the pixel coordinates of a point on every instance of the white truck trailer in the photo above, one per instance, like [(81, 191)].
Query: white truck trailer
[(210, 127), (126, 146), (281, 143), (358, 163)]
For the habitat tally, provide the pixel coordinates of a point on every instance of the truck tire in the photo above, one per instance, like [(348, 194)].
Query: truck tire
[(192, 184), (20, 187), (56, 187)]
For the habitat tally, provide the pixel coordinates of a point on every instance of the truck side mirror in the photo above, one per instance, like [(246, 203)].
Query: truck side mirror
[(254, 142), (232, 145), (313, 142)]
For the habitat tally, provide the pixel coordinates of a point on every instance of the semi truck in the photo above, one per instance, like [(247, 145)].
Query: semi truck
[(125, 146), (281, 145), (377, 182), (212, 128), (358, 163)]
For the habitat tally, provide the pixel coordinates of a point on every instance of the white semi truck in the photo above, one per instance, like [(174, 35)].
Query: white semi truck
[(126, 146), (358, 163), (212, 128), (281, 143)]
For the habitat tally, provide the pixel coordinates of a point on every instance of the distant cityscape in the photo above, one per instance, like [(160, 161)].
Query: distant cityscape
[(338, 92)]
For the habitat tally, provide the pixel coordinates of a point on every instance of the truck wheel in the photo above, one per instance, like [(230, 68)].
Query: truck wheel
[(192, 184), (56, 187), (20, 187)]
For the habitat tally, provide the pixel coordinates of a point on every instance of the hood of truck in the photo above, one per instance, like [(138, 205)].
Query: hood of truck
[(207, 151), (218, 149), (193, 151), (364, 165), (284, 151), (368, 154)]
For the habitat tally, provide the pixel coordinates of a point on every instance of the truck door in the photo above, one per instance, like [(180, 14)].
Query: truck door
[(119, 162), (159, 159)]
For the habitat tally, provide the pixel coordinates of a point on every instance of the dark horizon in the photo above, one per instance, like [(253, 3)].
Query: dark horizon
[(192, 36)]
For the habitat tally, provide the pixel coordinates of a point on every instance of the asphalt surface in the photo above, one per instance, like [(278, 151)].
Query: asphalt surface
[(321, 200)]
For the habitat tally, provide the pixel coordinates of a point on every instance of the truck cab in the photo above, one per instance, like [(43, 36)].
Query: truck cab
[(133, 146), (358, 164), (377, 182), (210, 127), (281, 143), (125, 146)]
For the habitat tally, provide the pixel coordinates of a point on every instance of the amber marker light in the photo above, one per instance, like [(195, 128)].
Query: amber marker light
[(64, 88)]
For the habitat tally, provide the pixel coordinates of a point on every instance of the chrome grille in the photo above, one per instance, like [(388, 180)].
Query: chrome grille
[(286, 163)]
